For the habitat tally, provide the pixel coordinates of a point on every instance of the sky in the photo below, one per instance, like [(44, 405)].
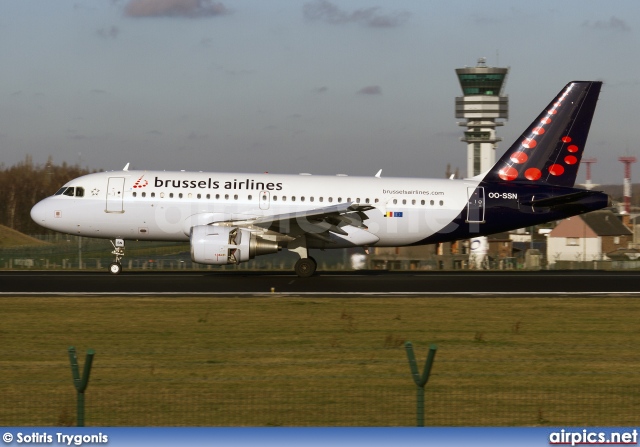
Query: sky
[(314, 86)]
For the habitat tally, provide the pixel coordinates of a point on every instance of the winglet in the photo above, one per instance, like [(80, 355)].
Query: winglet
[(379, 174), (126, 168)]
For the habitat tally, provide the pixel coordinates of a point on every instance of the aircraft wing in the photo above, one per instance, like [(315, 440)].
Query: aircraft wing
[(344, 220)]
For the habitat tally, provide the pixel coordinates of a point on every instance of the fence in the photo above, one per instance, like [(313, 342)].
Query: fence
[(72, 252), (206, 405), (321, 361)]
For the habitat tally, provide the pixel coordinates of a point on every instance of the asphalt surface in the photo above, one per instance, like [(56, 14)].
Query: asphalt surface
[(363, 282)]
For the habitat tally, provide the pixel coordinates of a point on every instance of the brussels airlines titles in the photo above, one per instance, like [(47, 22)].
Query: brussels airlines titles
[(247, 184)]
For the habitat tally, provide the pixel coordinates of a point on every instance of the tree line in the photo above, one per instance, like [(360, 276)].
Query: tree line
[(25, 184)]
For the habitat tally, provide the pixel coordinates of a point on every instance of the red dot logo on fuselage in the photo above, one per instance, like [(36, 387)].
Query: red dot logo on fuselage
[(140, 183)]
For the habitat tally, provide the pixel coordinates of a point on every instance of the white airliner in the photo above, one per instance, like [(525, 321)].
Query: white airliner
[(230, 218)]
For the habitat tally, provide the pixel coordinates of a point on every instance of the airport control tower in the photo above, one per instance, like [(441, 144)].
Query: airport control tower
[(481, 104)]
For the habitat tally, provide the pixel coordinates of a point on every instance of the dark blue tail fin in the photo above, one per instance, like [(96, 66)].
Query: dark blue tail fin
[(550, 150)]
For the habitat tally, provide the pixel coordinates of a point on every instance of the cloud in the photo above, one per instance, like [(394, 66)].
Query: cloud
[(370, 90), (613, 24), (108, 33), (174, 8), (325, 11), (195, 136)]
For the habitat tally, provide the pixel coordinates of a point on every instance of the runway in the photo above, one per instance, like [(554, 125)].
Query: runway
[(374, 283)]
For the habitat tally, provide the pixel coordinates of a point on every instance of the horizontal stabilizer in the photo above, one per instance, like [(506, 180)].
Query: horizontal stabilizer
[(559, 200)]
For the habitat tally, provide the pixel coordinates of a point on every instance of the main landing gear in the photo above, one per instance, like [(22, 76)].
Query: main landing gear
[(306, 265), (118, 250)]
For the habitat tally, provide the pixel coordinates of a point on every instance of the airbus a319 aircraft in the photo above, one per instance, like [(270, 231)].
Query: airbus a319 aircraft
[(229, 218)]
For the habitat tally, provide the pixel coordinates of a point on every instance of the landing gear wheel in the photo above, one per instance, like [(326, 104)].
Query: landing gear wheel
[(305, 267), (118, 250), (115, 268)]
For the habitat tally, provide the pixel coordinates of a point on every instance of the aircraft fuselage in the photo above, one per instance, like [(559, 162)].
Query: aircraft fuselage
[(160, 205)]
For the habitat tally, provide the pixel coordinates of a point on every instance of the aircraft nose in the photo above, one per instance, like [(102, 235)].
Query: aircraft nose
[(40, 213)]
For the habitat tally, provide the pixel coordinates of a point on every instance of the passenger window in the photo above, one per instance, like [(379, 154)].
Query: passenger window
[(321, 199), (135, 194), (284, 198), (153, 194), (431, 203), (302, 199), (235, 197), (441, 203), (162, 195), (293, 198), (180, 196), (422, 202), (171, 195), (404, 201), (208, 196), (395, 201), (144, 194), (330, 199)]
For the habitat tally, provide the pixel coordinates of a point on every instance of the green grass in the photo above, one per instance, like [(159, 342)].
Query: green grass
[(13, 238), (321, 361)]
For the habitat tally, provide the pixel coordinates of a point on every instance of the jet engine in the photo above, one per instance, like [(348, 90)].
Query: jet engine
[(227, 245)]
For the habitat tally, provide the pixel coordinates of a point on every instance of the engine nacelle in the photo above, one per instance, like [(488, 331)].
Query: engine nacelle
[(227, 245)]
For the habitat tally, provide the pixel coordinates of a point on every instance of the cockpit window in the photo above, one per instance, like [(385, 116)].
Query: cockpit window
[(70, 191)]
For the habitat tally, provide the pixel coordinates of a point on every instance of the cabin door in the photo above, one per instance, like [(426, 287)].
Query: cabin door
[(475, 205), (115, 195)]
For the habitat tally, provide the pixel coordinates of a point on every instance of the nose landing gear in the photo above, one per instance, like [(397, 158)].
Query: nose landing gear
[(115, 268)]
